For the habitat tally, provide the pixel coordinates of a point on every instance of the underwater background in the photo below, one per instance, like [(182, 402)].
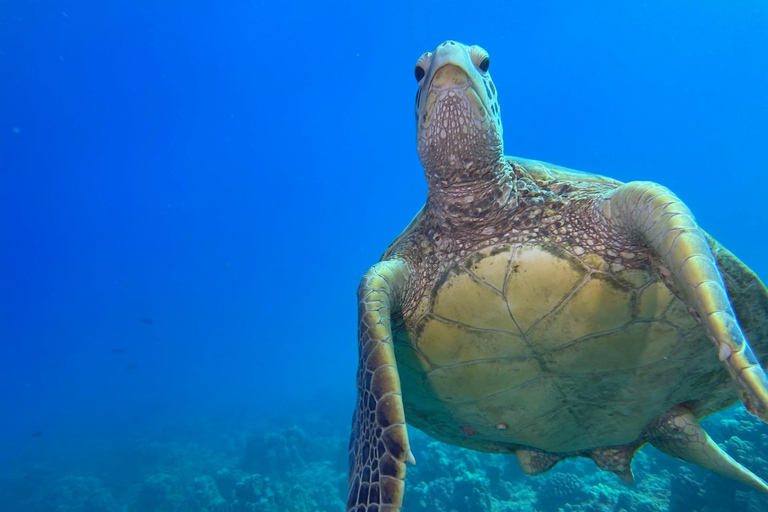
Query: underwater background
[(190, 192)]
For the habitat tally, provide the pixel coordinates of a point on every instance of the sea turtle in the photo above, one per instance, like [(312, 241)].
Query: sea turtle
[(545, 312)]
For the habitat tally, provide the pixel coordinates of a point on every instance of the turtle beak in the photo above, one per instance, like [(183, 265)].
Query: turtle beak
[(449, 76), (451, 79), (452, 68)]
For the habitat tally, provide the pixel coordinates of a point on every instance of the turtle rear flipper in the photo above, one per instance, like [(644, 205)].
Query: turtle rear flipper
[(678, 433), (379, 445), (653, 215)]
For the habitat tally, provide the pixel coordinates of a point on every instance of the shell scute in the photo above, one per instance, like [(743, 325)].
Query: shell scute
[(448, 342), (463, 299), (475, 381), (595, 307), (533, 290), (490, 266), (524, 408), (653, 300), (638, 344)]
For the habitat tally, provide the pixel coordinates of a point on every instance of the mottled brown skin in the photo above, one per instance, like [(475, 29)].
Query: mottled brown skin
[(535, 310)]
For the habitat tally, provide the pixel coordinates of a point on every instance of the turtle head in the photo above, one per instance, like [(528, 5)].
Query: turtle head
[(458, 121)]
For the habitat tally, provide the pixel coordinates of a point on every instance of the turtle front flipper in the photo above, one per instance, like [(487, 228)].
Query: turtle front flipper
[(379, 445), (652, 215)]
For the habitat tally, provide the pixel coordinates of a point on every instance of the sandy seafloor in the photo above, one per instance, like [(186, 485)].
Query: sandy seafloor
[(297, 463)]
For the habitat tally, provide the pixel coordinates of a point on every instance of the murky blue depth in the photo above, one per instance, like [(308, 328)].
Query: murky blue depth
[(190, 192)]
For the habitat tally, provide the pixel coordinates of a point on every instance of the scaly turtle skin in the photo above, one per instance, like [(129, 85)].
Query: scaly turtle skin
[(540, 311)]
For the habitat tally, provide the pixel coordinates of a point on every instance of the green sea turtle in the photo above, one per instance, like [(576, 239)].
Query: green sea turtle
[(543, 312)]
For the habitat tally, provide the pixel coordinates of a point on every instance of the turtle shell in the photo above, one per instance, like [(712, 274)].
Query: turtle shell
[(532, 345)]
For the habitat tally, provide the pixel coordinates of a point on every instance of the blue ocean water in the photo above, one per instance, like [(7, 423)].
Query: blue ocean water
[(190, 192)]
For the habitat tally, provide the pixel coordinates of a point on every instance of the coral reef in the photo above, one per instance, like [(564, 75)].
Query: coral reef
[(160, 492), (292, 469), (66, 494), (559, 489)]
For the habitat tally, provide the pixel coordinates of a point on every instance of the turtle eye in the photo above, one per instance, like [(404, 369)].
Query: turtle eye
[(422, 65), (480, 58)]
